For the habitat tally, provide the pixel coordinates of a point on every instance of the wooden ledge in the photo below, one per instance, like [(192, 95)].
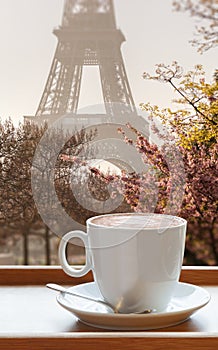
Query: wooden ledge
[(114, 342), (38, 275)]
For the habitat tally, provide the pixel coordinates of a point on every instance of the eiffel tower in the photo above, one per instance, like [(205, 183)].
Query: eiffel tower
[(87, 36)]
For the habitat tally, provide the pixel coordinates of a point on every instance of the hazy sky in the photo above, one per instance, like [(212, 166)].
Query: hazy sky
[(154, 34)]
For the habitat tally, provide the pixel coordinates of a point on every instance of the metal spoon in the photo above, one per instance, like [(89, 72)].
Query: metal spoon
[(62, 289)]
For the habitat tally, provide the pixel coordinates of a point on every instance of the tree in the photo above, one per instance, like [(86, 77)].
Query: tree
[(206, 11), (197, 120), (7, 147), (19, 214), (195, 131), (18, 211)]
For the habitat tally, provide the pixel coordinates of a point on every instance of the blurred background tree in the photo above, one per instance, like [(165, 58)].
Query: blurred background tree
[(206, 14), (19, 216)]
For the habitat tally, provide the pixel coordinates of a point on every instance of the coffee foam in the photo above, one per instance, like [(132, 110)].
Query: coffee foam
[(137, 221)]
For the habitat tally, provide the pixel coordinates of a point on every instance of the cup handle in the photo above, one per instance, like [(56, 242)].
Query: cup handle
[(62, 254)]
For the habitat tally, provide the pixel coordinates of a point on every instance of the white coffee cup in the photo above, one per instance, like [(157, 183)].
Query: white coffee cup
[(136, 259)]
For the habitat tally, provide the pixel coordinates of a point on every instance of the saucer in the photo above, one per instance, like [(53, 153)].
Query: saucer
[(187, 299)]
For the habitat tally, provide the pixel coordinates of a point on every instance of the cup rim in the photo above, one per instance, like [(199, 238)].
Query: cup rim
[(181, 221)]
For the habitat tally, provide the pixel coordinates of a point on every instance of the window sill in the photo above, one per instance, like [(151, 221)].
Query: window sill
[(31, 318)]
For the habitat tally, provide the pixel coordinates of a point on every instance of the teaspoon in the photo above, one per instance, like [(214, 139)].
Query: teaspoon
[(62, 289)]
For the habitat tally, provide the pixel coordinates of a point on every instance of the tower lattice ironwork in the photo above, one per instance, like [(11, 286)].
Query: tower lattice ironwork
[(87, 36)]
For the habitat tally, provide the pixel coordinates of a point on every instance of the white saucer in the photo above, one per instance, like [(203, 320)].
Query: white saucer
[(188, 299)]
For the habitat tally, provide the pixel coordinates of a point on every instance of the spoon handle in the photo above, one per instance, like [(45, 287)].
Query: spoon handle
[(61, 289)]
